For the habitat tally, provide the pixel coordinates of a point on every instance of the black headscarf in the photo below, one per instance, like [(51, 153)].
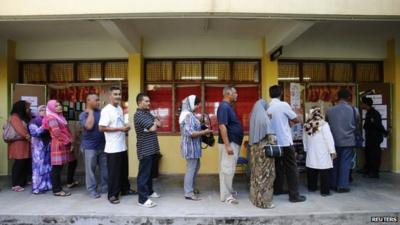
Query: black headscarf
[(19, 108)]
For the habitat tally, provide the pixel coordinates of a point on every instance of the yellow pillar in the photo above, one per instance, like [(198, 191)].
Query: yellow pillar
[(269, 75), (392, 76), (8, 75), (135, 86)]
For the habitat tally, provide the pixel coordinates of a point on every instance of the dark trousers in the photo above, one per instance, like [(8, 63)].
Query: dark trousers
[(56, 178), (339, 176), (71, 171), (144, 178), (287, 165), (20, 172), (372, 158), (312, 179), (117, 165)]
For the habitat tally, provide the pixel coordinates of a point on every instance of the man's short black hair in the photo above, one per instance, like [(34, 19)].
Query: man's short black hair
[(344, 94), (275, 91), (367, 101), (140, 97), (114, 88)]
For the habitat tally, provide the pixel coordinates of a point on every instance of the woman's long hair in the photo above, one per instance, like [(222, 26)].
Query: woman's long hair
[(20, 108)]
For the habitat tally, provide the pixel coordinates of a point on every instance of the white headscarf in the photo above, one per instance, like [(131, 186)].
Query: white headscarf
[(187, 107)]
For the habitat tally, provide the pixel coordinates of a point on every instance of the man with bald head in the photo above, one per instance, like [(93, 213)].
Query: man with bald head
[(92, 146)]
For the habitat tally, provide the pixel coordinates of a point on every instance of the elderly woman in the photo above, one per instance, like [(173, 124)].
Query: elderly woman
[(61, 147), (20, 150), (191, 143), (320, 148), (262, 167), (41, 167)]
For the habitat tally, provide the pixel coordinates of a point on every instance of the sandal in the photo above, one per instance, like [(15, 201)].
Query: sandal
[(193, 198), (17, 188), (62, 194), (114, 200), (73, 184), (148, 204), (231, 200)]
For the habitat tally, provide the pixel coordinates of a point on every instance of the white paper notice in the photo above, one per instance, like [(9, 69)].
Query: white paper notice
[(377, 99), (382, 109), (295, 93), (32, 99)]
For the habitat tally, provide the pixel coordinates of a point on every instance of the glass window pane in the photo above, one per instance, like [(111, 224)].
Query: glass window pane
[(34, 73), (188, 70), (181, 92), (213, 95), (288, 71), (158, 71), (341, 72), (247, 96), (246, 71), (367, 72), (89, 72), (116, 71), (217, 70), (61, 72), (161, 104), (314, 72)]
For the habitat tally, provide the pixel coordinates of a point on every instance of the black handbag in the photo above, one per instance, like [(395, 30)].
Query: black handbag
[(273, 151), (207, 139)]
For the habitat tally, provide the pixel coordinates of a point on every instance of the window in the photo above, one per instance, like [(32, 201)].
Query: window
[(341, 72), (368, 72), (314, 72), (62, 72), (288, 71), (89, 72), (34, 73), (161, 105), (204, 78)]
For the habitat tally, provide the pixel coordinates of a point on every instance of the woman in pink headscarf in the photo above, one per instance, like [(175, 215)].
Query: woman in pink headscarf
[(61, 147)]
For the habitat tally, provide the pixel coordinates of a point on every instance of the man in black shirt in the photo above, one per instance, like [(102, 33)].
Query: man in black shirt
[(374, 133), (147, 149)]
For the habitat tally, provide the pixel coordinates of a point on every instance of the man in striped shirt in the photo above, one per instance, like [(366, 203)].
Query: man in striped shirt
[(147, 149)]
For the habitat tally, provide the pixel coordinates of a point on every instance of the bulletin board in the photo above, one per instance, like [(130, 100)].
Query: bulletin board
[(35, 94)]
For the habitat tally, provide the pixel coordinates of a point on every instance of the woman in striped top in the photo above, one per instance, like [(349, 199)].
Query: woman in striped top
[(191, 143)]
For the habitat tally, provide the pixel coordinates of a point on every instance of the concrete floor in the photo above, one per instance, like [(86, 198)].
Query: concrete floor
[(368, 197)]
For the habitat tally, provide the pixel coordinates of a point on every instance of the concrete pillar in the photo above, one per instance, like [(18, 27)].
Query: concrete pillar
[(269, 75), (392, 76), (135, 86), (8, 75)]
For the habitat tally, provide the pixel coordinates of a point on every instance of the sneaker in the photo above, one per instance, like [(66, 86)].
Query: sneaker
[(155, 195), (148, 204), (94, 195)]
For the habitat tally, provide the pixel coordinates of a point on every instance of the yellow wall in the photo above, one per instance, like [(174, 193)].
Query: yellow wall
[(8, 74), (392, 75)]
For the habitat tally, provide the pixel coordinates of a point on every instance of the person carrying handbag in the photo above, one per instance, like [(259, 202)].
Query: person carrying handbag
[(20, 150)]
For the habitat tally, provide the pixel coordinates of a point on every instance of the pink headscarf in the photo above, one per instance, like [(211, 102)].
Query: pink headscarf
[(51, 112)]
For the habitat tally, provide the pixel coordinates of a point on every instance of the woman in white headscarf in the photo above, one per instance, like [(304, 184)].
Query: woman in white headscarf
[(191, 143), (319, 145), (262, 167)]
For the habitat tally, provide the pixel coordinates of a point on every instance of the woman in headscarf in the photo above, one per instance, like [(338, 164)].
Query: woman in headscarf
[(20, 150), (320, 148), (262, 167), (191, 143), (61, 147), (41, 167)]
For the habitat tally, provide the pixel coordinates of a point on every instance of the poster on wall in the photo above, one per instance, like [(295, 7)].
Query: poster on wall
[(33, 100), (296, 93), (325, 95)]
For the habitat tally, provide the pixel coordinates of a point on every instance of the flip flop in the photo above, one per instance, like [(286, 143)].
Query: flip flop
[(73, 184), (62, 194)]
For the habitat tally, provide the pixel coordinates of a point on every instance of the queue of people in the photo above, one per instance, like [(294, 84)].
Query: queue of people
[(46, 146)]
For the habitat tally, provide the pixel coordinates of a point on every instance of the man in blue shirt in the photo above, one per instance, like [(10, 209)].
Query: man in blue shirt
[(230, 138), (281, 114), (92, 146)]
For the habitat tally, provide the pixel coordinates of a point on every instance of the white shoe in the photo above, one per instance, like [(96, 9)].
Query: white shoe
[(155, 195), (148, 204)]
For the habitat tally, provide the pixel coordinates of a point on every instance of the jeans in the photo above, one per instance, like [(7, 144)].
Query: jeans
[(192, 169), (93, 159), (341, 168)]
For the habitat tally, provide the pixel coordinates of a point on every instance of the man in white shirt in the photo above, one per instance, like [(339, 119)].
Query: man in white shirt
[(281, 114), (112, 124)]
